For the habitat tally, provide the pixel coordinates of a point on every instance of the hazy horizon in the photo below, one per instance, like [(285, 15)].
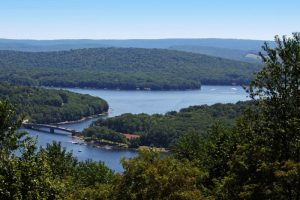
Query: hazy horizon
[(49, 39), (155, 19)]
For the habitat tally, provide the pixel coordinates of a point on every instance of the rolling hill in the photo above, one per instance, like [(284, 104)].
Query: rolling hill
[(235, 49), (122, 68), (233, 54)]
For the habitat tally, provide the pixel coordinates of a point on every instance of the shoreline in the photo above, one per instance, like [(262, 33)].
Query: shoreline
[(74, 121), (82, 119), (106, 145), (143, 89)]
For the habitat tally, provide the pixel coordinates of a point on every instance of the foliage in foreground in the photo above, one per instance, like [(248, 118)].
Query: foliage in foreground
[(148, 176), (266, 163)]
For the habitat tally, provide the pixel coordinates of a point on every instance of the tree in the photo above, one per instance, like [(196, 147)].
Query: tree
[(27, 175), (10, 138), (62, 163), (91, 173), (210, 154), (189, 146), (149, 176), (91, 180), (266, 162)]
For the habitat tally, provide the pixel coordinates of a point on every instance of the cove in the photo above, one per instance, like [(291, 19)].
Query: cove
[(149, 102)]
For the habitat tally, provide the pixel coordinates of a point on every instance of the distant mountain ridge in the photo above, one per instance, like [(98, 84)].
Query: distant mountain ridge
[(36, 45), (233, 54), (235, 49)]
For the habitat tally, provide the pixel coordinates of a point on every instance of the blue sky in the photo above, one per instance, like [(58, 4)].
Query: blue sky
[(125, 19)]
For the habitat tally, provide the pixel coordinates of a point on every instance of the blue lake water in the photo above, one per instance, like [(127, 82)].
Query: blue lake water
[(149, 102)]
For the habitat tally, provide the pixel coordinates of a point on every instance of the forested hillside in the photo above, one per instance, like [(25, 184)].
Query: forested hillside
[(121, 68), (49, 106), (162, 130), (228, 53)]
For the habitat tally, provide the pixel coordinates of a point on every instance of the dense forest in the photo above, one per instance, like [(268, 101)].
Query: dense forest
[(162, 130), (122, 68), (41, 105), (257, 158)]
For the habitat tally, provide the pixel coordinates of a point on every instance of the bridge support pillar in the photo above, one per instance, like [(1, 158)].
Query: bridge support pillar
[(51, 130)]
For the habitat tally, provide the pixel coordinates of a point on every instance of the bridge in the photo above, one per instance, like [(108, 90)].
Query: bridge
[(51, 128)]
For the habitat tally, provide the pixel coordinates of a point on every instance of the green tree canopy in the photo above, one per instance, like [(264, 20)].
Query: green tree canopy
[(266, 162), (149, 176)]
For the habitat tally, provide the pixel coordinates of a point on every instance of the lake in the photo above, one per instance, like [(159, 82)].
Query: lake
[(149, 102)]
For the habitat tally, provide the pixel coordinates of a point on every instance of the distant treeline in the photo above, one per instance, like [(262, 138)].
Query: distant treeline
[(49, 106), (122, 68), (233, 54), (61, 44), (162, 130)]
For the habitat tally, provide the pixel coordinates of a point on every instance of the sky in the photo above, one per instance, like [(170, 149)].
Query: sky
[(148, 19)]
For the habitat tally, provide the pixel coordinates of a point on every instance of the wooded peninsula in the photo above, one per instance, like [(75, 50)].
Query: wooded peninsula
[(41, 105)]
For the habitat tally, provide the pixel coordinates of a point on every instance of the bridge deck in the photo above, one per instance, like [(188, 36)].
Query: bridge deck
[(51, 127)]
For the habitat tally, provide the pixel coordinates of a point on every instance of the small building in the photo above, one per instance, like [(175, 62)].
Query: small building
[(130, 136)]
